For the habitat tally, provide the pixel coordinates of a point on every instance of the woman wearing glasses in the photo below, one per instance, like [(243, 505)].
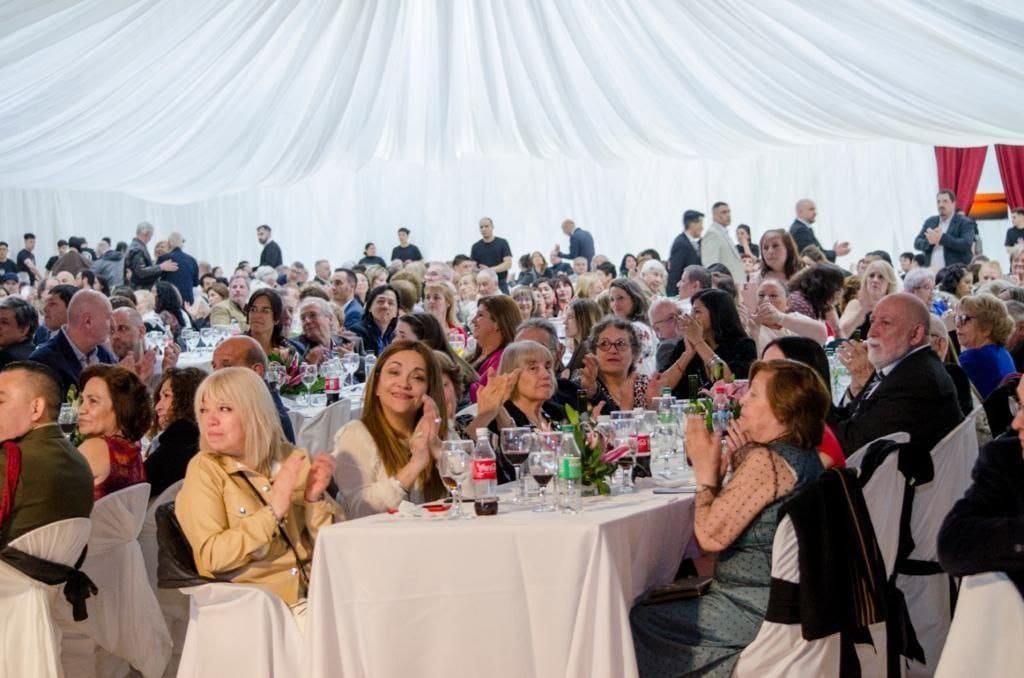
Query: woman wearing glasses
[(263, 313), (983, 325), (609, 374)]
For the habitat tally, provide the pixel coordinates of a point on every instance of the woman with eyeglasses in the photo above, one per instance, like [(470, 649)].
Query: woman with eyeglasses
[(609, 373), (982, 326), (264, 312)]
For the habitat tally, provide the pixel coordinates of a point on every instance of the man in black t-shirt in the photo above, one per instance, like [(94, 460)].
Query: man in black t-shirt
[(405, 252), (27, 260), (1015, 234), (6, 265), (492, 252)]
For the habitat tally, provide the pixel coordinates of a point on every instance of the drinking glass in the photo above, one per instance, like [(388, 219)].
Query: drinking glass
[(457, 343), (543, 466), (208, 334), (515, 445), (275, 372), (308, 379), (350, 363), (68, 419), (369, 360), (191, 339), (625, 436), (456, 463)]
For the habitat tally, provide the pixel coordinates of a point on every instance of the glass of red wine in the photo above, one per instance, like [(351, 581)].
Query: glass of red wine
[(543, 465), (515, 445), (67, 419)]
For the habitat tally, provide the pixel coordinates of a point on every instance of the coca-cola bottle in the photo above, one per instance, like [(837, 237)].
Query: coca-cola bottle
[(332, 382), (485, 475)]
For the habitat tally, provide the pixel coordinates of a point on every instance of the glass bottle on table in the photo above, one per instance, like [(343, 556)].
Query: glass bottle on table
[(485, 475)]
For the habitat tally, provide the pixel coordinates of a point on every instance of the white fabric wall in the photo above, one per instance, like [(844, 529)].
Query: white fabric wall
[(875, 194)]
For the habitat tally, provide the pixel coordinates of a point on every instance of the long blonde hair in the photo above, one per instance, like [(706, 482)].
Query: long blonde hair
[(244, 389), (394, 451)]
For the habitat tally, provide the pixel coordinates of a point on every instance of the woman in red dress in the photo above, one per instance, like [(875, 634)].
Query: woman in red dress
[(114, 415)]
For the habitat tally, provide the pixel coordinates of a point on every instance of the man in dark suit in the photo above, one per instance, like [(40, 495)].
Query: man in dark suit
[(985, 530), (18, 324), (898, 383), (947, 238), (81, 341), (581, 244), (685, 248), (53, 480), (271, 253), (243, 351), (186, 276), (803, 234)]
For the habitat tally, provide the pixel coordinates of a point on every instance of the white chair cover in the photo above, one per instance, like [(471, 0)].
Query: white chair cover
[(985, 636), (780, 650), (221, 616), (173, 603), (315, 429), (125, 620), (928, 596), (147, 537), (30, 640)]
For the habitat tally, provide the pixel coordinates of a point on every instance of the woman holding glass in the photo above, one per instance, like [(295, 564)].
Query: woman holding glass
[(772, 456), (389, 455), (609, 373), (251, 504), (114, 415), (264, 311)]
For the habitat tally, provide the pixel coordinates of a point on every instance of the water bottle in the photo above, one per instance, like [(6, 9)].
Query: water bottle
[(665, 402), (485, 475), (570, 473), (721, 415)]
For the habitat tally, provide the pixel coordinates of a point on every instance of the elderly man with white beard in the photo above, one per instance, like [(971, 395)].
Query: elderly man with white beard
[(897, 382)]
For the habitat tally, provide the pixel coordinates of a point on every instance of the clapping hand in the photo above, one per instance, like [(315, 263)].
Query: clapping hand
[(171, 353), (498, 389), (319, 477), (933, 235), (693, 330), (425, 442), (653, 389), (704, 450), (284, 484), (588, 374), (841, 248), (768, 315)]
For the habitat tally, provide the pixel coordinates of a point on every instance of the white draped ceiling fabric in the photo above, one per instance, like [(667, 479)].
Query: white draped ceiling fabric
[(337, 121)]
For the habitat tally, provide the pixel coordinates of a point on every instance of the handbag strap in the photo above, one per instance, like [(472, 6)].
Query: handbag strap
[(303, 575)]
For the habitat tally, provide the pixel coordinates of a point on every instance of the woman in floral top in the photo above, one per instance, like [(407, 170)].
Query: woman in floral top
[(609, 373)]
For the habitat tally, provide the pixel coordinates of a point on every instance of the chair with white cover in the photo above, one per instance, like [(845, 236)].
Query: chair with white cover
[(30, 640), (985, 636), (221, 614), (173, 603), (125, 620), (780, 650), (147, 537)]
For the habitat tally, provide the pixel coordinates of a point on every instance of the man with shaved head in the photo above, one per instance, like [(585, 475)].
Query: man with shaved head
[(127, 341), (43, 478), (803, 233), (244, 351), (897, 382), (79, 343)]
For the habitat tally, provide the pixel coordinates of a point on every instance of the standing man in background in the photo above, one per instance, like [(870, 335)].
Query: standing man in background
[(716, 247), (685, 249), (405, 252), (948, 237), (493, 253), (186, 277), (271, 253), (803, 234), (581, 244), (27, 260)]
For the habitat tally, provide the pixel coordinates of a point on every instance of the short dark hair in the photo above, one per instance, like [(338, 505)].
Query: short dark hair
[(76, 242), (919, 258), (117, 301), (133, 410), (25, 316), (650, 252), (698, 273), (949, 192), (806, 351), (349, 273), (608, 268), (1017, 210), (3, 244), (106, 239), (881, 254), (719, 204), (65, 292), (29, 236), (907, 255), (121, 246), (44, 382), (404, 230), (89, 276), (126, 292), (459, 258), (62, 243), (264, 226)]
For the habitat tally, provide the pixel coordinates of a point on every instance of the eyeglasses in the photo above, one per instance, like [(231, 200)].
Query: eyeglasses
[(606, 345), (670, 319), (962, 320)]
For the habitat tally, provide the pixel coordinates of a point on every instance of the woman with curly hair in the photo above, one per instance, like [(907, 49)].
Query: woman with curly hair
[(815, 291), (955, 279), (175, 432)]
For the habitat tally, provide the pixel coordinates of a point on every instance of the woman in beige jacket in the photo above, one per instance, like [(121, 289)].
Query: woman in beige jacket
[(251, 504)]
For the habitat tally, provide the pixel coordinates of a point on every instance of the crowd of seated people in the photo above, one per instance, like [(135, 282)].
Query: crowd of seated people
[(924, 348)]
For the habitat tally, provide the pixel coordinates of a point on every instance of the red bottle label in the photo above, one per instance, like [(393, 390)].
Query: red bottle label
[(643, 443), (485, 469), (332, 385)]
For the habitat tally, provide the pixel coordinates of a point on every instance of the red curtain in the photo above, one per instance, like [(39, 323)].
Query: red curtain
[(1011, 169), (960, 170)]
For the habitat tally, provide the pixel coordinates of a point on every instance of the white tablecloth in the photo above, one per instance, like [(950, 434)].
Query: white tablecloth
[(203, 361), (520, 594), (315, 426)]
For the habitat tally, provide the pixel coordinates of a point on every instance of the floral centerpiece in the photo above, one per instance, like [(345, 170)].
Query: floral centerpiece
[(733, 391), (291, 380), (595, 468)]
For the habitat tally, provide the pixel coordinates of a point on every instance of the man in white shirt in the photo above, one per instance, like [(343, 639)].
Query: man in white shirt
[(717, 247)]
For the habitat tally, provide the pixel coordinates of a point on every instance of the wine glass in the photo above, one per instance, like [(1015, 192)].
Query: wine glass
[(457, 343), (191, 339), (369, 360), (308, 379), (515, 445), (67, 419), (350, 363), (275, 371), (543, 465), (207, 334), (625, 437), (455, 466)]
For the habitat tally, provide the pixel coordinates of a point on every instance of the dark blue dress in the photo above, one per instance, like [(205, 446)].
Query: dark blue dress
[(704, 636)]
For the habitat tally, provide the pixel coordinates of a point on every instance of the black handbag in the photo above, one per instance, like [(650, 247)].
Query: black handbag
[(176, 564)]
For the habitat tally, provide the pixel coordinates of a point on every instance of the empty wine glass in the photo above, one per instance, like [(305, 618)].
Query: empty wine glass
[(369, 360), (455, 467), (308, 379), (207, 334), (515, 445), (191, 339), (275, 373), (350, 363), (543, 465), (67, 419)]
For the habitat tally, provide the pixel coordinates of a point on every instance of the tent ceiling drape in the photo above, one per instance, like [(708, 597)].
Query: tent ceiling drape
[(178, 102)]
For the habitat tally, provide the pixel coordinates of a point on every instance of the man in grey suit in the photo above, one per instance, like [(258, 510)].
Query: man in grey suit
[(948, 237), (717, 247)]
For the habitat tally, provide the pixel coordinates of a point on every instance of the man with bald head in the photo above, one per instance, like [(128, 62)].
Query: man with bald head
[(244, 351), (54, 481), (127, 341), (803, 233), (80, 342), (897, 382)]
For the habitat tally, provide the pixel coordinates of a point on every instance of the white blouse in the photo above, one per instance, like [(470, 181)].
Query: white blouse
[(365, 487)]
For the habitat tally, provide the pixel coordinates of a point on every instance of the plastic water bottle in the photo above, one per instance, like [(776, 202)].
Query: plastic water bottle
[(721, 416), (485, 475), (570, 473), (665, 402)]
